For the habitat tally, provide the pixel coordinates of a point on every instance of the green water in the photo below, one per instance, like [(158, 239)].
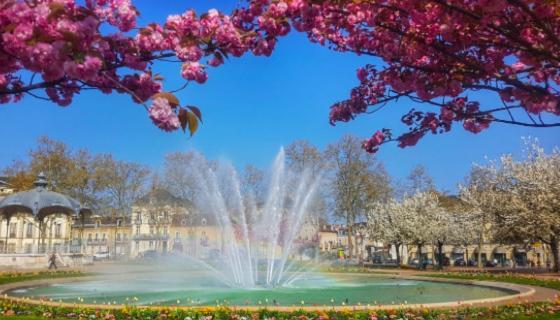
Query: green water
[(192, 289)]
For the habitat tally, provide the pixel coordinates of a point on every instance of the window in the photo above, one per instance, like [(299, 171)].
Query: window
[(13, 227), (177, 235), (165, 231), (118, 222), (151, 230), (29, 230), (125, 236), (103, 237), (57, 230), (204, 239), (89, 237), (97, 224), (96, 236), (137, 230), (138, 218), (28, 248), (118, 237), (151, 244)]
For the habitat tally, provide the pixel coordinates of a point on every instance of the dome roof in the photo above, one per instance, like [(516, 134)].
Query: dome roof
[(40, 202)]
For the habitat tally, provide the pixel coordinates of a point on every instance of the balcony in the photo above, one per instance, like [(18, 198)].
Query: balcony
[(156, 237), (97, 242)]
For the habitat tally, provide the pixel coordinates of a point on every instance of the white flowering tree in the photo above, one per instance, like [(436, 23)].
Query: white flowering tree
[(413, 220), (446, 223), (523, 197), (477, 196), (389, 222)]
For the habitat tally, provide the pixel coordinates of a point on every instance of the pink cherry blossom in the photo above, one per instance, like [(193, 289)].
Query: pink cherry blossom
[(163, 115), (194, 71), (429, 55)]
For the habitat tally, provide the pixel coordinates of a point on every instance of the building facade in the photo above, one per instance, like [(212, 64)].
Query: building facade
[(37, 221)]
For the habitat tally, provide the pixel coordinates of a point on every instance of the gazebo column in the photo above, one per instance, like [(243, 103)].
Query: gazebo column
[(21, 225), (41, 242), (40, 228), (82, 223), (50, 225), (8, 218)]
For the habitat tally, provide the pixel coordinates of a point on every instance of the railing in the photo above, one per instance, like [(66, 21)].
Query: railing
[(91, 242), (150, 237)]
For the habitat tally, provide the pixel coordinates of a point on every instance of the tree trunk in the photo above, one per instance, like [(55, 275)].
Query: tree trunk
[(479, 253), (420, 258), (554, 248), (350, 246), (440, 252), (7, 232), (397, 247)]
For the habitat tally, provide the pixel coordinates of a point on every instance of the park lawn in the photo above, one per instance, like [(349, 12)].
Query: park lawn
[(508, 277), (11, 277)]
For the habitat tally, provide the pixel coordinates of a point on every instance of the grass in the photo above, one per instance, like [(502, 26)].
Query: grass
[(11, 277), (508, 277)]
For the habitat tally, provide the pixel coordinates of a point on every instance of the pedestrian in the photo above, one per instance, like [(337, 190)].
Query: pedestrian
[(52, 261)]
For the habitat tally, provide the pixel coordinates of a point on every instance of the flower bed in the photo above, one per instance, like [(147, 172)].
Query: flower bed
[(9, 308)]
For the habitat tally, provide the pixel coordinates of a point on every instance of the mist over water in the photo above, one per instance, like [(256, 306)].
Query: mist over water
[(258, 234)]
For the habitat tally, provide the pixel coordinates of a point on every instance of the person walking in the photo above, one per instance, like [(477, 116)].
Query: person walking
[(52, 261)]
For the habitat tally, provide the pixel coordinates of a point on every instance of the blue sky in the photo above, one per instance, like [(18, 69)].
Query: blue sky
[(251, 107)]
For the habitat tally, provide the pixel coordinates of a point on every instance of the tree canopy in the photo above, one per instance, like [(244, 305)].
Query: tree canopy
[(436, 56)]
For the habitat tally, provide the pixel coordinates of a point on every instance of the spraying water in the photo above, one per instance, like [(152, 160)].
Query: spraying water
[(257, 237)]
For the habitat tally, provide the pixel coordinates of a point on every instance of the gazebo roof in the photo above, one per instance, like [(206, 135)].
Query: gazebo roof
[(40, 202)]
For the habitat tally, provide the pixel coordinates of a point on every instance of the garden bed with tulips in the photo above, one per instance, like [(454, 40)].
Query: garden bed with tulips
[(22, 311)]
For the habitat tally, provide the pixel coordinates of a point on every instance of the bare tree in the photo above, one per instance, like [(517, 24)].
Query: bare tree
[(97, 181), (419, 180), (358, 179), (19, 175), (304, 158), (179, 177), (252, 183), (120, 182), (302, 155)]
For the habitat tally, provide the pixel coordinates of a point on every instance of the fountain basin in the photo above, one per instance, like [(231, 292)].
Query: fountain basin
[(317, 291)]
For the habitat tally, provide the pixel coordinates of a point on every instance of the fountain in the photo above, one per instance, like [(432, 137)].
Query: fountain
[(258, 237), (254, 266)]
